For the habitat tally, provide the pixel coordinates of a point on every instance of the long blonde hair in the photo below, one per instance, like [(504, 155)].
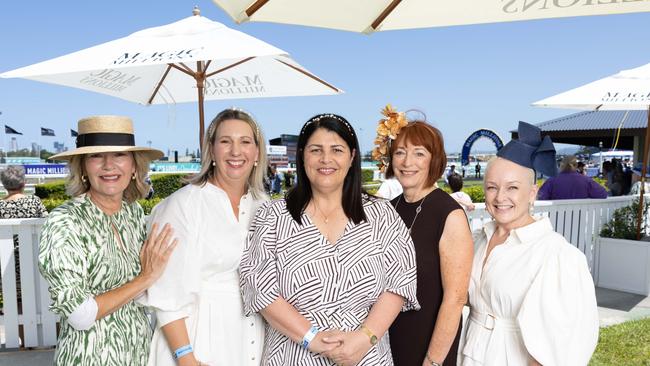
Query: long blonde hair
[(76, 184), (256, 178)]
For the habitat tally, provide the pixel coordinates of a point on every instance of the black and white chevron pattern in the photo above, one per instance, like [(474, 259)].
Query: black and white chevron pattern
[(334, 286)]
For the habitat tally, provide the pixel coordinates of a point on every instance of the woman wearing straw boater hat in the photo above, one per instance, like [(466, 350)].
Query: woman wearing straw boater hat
[(94, 250), (197, 300)]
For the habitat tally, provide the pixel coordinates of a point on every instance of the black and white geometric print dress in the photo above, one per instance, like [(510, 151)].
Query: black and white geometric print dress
[(334, 286), (80, 256)]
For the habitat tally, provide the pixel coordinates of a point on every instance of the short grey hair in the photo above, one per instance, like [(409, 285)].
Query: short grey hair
[(13, 177)]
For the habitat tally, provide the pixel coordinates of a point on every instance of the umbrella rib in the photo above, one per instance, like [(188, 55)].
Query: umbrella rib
[(314, 77), (384, 14), (160, 83), (255, 7), (183, 69), (229, 66)]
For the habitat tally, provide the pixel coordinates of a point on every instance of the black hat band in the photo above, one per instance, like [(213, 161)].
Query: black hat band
[(105, 139)]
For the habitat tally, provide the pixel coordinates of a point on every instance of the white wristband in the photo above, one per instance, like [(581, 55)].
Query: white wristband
[(309, 336)]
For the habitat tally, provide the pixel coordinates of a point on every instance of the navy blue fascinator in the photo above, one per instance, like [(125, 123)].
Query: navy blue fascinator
[(531, 151)]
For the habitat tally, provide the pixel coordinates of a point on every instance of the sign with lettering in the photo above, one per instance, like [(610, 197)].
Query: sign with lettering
[(45, 169), (467, 146), (276, 149)]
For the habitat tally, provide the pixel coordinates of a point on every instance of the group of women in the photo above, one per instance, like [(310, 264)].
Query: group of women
[(327, 275)]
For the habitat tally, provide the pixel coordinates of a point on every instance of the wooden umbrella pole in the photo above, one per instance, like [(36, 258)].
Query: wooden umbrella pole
[(200, 83), (643, 173)]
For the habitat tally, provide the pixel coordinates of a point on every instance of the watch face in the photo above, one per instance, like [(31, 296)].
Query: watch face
[(373, 340)]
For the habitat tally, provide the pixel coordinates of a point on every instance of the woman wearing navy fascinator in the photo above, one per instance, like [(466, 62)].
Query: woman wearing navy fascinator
[(531, 294)]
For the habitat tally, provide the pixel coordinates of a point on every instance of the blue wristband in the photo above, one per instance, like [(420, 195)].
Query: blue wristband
[(182, 351), (309, 336)]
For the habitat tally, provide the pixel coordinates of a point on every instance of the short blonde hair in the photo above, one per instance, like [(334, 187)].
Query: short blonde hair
[(77, 184), (256, 179)]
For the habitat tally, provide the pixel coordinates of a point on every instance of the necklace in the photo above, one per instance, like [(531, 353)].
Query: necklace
[(321, 212), (417, 210)]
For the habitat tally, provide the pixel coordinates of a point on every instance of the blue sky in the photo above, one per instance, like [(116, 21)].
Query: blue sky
[(463, 78)]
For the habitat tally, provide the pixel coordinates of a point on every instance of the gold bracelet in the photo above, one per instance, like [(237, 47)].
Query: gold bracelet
[(431, 361)]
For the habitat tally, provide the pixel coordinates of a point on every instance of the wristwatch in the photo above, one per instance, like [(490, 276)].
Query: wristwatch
[(431, 361), (368, 332)]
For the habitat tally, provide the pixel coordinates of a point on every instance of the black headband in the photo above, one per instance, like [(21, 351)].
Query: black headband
[(105, 139)]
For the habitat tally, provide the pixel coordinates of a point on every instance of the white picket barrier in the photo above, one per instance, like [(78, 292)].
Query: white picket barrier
[(30, 311)]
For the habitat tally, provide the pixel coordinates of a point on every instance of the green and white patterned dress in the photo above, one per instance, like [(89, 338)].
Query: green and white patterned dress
[(80, 256)]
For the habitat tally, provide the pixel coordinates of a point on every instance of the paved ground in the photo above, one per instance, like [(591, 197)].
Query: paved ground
[(613, 307)]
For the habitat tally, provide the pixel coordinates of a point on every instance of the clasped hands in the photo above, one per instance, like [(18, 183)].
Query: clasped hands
[(344, 348)]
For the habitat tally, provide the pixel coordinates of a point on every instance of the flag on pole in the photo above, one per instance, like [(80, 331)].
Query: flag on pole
[(11, 131), (47, 131), (73, 133)]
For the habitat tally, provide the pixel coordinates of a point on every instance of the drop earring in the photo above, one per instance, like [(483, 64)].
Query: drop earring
[(255, 164), (84, 180), (214, 163), (133, 176)]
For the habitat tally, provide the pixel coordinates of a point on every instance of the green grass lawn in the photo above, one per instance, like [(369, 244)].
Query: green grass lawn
[(624, 344)]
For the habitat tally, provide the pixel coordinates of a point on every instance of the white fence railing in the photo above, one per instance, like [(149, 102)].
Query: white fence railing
[(28, 314), (578, 220)]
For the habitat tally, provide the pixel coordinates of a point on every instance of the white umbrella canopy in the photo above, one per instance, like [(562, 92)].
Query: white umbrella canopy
[(193, 59), (625, 90), (382, 15)]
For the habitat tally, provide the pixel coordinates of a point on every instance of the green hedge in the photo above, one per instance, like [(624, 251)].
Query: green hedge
[(166, 184), (148, 205), (475, 192), (366, 175), (53, 194), (54, 189)]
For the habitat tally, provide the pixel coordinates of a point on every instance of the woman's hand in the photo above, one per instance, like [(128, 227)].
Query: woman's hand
[(155, 252), (318, 346), (353, 347)]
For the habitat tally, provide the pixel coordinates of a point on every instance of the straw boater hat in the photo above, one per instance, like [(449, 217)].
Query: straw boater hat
[(99, 134)]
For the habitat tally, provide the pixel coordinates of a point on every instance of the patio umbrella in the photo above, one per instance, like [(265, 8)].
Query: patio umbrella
[(193, 59), (381, 15), (626, 90)]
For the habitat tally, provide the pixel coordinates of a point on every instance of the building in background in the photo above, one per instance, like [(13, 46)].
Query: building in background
[(14, 144), (277, 155), (59, 147), (291, 142)]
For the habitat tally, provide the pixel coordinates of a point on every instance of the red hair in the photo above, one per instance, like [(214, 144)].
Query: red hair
[(420, 133)]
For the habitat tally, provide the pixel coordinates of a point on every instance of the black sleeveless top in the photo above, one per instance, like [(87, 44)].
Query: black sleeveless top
[(411, 332)]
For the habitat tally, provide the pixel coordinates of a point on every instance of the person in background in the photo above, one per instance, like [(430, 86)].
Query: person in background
[(16, 204), (389, 189), (570, 184), (531, 295), (92, 253), (636, 181), (276, 181), (477, 170), (455, 182), (581, 169), (452, 170)]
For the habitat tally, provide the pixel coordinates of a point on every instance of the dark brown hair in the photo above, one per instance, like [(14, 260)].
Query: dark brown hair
[(420, 133)]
